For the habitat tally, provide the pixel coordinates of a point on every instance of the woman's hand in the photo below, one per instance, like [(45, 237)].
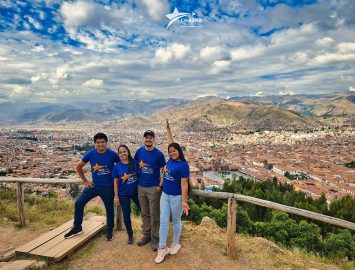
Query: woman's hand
[(117, 200), (185, 208)]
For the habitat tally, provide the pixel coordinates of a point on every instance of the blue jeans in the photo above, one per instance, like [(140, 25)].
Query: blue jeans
[(170, 204), (107, 196), (125, 201)]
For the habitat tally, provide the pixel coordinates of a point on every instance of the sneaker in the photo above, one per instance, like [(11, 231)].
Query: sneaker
[(109, 234), (130, 239), (174, 248), (145, 240), (155, 244), (162, 252), (74, 231)]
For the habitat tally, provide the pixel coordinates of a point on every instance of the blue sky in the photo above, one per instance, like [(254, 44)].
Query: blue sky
[(63, 51)]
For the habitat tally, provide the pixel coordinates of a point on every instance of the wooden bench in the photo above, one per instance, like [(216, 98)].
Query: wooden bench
[(53, 245)]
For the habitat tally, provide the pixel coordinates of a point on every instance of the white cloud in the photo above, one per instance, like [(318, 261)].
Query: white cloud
[(20, 92), (174, 51), (77, 13), (35, 23), (351, 88), (38, 49), (346, 47), (157, 9), (214, 53), (247, 52), (325, 42), (298, 58), (330, 58), (220, 66), (60, 73), (38, 77), (94, 83)]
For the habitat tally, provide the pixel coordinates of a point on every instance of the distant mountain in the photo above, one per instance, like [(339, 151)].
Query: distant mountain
[(324, 105), (78, 111), (234, 114), (270, 112)]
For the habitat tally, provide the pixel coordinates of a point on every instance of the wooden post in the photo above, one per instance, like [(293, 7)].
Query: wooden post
[(20, 203), (119, 217), (231, 226)]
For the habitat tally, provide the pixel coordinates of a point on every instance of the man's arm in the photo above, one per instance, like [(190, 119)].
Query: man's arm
[(80, 171)]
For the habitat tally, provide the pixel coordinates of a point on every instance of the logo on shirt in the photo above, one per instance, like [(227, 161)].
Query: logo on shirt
[(97, 167), (126, 176), (101, 170), (142, 164), (145, 168), (167, 174)]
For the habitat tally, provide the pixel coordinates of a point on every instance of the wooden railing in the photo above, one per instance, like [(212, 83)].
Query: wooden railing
[(231, 197)]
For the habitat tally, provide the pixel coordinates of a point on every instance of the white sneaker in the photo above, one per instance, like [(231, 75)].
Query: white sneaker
[(174, 248), (161, 254)]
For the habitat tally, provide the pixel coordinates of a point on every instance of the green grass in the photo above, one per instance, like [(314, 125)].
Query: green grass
[(40, 213), (310, 256)]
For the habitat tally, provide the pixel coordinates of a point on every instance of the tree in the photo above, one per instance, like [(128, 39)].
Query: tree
[(340, 245)]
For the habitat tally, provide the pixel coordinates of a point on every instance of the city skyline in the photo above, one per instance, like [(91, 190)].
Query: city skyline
[(60, 51)]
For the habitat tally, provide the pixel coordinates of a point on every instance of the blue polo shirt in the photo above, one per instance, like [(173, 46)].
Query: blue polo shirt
[(101, 166), (173, 172), (149, 163), (127, 179)]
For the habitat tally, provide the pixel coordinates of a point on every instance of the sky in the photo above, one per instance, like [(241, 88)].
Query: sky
[(68, 51)]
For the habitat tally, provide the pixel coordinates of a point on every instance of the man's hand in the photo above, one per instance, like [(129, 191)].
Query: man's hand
[(88, 184), (159, 188), (185, 208)]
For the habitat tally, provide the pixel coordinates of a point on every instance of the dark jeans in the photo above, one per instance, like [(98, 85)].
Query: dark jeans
[(125, 201), (107, 196)]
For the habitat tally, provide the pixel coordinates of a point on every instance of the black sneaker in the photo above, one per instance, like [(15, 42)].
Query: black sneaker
[(109, 234), (130, 239), (145, 240), (74, 231), (155, 244)]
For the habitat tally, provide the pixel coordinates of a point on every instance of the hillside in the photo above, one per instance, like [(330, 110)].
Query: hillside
[(203, 248), (234, 114), (325, 105), (204, 111)]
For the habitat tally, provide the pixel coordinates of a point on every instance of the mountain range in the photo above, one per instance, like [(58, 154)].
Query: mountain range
[(268, 112)]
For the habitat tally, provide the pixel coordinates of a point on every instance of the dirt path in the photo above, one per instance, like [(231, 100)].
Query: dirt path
[(11, 237), (118, 255), (202, 248)]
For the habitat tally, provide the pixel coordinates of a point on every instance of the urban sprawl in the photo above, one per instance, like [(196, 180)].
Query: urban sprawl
[(313, 161)]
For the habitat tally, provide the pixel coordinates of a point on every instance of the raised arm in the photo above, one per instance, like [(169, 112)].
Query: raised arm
[(168, 133)]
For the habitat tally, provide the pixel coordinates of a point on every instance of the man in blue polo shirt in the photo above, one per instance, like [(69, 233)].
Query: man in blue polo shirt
[(151, 161), (101, 161)]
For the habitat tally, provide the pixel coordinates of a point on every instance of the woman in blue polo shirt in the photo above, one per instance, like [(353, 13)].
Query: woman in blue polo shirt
[(173, 200), (125, 174)]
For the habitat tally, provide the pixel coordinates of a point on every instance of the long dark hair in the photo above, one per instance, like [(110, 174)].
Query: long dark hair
[(130, 158), (177, 147)]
